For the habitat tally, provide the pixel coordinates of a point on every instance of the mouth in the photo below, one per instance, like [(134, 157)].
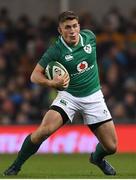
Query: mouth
[(73, 37)]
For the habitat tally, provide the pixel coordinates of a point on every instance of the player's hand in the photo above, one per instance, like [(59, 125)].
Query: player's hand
[(66, 80), (61, 83)]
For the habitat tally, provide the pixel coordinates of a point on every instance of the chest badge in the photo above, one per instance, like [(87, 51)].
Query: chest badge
[(88, 49)]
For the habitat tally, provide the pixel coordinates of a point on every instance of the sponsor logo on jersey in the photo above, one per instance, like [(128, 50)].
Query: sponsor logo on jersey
[(82, 66), (92, 66), (68, 57), (88, 49), (62, 101)]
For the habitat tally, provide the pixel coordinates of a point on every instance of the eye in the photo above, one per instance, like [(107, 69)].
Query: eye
[(75, 25), (67, 27)]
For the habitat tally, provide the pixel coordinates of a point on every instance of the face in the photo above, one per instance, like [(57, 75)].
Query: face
[(70, 31)]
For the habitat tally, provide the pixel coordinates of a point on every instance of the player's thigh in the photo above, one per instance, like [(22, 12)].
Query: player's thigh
[(50, 123), (53, 119), (107, 136)]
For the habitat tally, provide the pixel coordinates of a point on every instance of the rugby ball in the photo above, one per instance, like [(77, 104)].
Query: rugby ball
[(55, 68)]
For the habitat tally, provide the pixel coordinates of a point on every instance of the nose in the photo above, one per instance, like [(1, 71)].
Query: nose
[(72, 30)]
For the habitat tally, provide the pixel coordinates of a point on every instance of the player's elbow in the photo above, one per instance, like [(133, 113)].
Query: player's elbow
[(32, 78)]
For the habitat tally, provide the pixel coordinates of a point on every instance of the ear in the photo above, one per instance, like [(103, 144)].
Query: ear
[(79, 26), (59, 30)]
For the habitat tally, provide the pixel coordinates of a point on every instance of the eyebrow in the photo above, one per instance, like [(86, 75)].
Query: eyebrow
[(71, 25)]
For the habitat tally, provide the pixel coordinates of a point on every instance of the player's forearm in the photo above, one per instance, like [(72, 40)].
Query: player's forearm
[(39, 78)]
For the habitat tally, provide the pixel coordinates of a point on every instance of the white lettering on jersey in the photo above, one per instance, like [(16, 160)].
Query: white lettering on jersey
[(68, 57)]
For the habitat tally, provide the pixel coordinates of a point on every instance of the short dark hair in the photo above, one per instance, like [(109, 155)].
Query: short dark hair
[(67, 15)]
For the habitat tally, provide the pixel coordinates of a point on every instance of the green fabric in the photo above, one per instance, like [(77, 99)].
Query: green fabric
[(27, 149), (99, 153)]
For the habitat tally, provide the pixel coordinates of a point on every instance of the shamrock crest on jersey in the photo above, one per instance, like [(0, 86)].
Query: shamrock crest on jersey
[(88, 49)]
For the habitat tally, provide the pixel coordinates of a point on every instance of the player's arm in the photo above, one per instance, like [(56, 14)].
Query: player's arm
[(39, 77)]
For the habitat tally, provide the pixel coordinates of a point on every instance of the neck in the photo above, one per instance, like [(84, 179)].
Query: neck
[(72, 43)]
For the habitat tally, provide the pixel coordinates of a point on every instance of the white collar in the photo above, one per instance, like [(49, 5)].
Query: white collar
[(66, 45)]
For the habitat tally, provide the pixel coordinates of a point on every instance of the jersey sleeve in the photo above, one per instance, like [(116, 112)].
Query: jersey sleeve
[(52, 54)]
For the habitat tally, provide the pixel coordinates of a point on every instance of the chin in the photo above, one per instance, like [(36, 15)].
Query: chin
[(73, 42)]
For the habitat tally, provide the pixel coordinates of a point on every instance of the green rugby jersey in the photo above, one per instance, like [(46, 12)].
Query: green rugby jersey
[(80, 62)]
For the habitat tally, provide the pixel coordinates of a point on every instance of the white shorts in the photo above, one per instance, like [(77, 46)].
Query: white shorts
[(93, 107)]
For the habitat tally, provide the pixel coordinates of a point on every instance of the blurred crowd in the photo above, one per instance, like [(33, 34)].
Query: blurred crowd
[(22, 43)]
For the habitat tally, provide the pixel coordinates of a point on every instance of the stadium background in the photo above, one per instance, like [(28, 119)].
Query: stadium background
[(26, 30)]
